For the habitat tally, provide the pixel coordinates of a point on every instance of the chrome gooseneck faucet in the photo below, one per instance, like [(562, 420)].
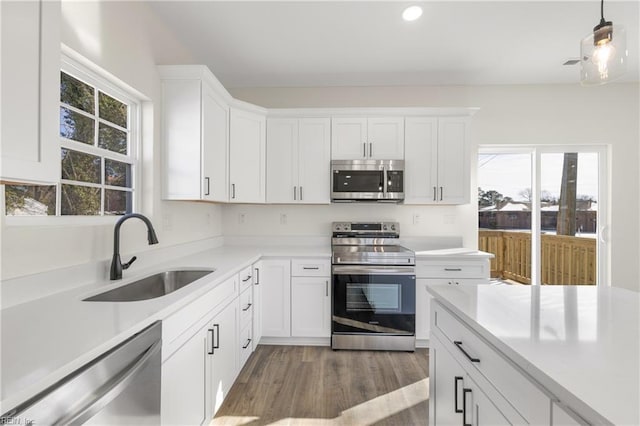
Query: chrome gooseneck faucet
[(116, 264)]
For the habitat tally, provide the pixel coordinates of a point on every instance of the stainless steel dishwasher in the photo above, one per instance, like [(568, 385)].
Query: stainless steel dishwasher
[(121, 386)]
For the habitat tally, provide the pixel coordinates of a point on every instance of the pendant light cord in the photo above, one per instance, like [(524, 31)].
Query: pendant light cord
[(602, 12)]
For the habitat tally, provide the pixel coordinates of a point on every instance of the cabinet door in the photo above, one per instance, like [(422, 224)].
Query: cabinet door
[(30, 86), (215, 137), (421, 160), (349, 139), (310, 307), (183, 383), (275, 282), (282, 173), (453, 161), (423, 303), (223, 354), (446, 380), (385, 138), (478, 408), (314, 161), (247, 157)]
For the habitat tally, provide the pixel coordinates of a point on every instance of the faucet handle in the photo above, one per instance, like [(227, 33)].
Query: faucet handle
[(126, 265)]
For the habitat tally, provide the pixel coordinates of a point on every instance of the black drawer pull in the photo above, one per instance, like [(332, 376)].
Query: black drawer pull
[(465, 391), (314, 268), (455, 390), (247, 308), (247, 345), (246, 279), (459, 345), (453, 269)]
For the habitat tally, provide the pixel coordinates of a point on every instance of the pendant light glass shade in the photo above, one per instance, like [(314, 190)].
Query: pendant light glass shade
[(603, 54)]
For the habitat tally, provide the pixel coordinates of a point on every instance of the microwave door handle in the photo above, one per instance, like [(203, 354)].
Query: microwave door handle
[(386, 182)]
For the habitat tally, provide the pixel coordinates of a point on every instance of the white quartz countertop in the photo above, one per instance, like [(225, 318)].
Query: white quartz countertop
[(48, 338), (582, 343)]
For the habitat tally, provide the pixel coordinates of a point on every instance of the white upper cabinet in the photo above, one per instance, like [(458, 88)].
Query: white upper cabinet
[(196, 135), (437, 160), (379, 138), (30, 34), (298, 160), (247, 156)]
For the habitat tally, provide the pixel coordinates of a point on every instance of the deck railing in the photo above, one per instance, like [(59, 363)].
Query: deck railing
[(565, 260)]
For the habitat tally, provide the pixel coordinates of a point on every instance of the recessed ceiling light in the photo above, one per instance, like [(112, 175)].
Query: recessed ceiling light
[(412, 13)]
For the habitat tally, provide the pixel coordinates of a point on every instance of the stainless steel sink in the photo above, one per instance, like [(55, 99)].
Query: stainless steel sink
[(151, 287)]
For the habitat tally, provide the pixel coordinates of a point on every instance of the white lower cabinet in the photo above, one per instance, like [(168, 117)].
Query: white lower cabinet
[(310, 307), (275, 293), (222, 351), (472, 383), (184, 383), (443, 271)]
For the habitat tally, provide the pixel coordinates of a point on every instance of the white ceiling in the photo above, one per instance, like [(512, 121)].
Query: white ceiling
[(366, 43)]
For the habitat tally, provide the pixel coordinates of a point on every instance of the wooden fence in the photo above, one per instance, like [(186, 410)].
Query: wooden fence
[(565, 260)]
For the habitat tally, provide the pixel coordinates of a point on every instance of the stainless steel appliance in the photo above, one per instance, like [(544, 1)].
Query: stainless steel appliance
[(120, 387), (367, 180), (374, 288)]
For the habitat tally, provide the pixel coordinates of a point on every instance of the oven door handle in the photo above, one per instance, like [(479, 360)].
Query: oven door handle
[(368, 270)]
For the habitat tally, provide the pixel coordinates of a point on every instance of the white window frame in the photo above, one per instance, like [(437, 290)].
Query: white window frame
[(95, 77), (603, 248)]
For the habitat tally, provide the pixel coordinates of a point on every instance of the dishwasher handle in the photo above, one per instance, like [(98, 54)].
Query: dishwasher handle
[(114, 387)]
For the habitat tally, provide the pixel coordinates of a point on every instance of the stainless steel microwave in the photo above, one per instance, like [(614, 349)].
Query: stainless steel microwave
[(367, 180)]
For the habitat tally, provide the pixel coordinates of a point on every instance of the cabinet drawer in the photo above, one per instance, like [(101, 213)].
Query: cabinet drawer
[(176, 329), (246, 278), (246, 345), (452, 269), (526, 398), (310, 267), (246, 307)]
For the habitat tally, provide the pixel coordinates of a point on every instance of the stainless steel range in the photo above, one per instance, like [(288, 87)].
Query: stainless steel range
[(374, 292)]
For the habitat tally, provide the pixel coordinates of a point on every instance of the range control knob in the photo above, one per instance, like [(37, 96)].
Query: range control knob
[(393, 227), (384, 227)]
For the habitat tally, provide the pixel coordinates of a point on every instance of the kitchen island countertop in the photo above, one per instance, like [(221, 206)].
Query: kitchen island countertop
[(581, 343)]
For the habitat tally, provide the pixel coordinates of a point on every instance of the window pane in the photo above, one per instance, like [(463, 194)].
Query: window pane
[(112, 110), (117, 202), (117, 173), (76, 126), (112, 139), (568, 217), (504, 214), (76, 93), (80, 166), (30, 200), (80, 200)]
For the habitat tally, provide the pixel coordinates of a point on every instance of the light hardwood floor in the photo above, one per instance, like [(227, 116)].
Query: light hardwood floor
[(305, 385)]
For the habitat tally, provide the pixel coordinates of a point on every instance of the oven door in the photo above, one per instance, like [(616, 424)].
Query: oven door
[(373, 300)]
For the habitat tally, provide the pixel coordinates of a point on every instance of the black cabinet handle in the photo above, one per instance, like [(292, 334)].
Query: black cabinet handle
[(210, 351), (465, 391), (294, 193), (208, 189), (257, 276), (233, 190), (455, 390), (246, 279), (313, 268), (434, 193), (247, 345), (453, 269), (440, 193), (459, 345), (247, 308), (217, 345), (300, 193)]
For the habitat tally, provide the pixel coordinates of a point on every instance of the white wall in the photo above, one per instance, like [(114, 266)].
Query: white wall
[(553, 114), (124, 39)]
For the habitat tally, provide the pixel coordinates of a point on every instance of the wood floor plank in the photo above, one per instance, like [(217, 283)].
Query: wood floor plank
[(315, 386)]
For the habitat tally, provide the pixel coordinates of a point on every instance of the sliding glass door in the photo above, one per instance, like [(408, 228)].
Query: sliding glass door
[(542, 212)]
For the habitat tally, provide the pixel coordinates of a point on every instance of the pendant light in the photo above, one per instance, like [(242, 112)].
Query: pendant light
[(603, 53)]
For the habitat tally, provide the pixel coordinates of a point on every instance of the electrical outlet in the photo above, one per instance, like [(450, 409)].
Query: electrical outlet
[(208, 218), (241, 218), (416, 219), (283, 219)]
